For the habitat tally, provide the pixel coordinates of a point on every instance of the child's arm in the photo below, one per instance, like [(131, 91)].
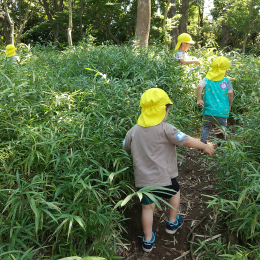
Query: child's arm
[(187, 62), (193, 143), (199, 92), (127, 142), (230, 98)]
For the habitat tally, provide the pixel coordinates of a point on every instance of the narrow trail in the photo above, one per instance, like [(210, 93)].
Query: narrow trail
[(195, 182)]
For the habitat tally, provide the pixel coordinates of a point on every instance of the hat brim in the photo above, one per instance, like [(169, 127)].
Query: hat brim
[(219, 67), (177, 46), (216, 75), (151, 116)]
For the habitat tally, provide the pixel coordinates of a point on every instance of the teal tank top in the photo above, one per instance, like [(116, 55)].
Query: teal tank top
[(216, 102)]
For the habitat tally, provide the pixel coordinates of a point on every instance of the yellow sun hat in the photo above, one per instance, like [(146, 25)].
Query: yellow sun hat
[(219, 67), (153, 103), (10, 50), (184, 37)]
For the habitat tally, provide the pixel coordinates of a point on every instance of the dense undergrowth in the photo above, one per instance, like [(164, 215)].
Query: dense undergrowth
[(63, 116)]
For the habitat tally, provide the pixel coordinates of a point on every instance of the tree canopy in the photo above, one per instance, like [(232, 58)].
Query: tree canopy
[(235, 23)]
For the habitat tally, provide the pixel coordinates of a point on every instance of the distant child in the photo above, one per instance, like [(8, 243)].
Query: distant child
[(152, 143), (10, 53), (218, 98), (183, 44)]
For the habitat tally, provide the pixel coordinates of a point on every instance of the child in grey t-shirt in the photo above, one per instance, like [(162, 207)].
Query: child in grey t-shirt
[(152, 143)]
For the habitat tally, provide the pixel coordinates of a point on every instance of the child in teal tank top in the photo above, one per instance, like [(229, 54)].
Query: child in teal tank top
[(218, 96)]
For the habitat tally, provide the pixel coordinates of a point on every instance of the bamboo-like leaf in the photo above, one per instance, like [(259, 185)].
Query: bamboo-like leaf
[(70, 226), (80, 221), (126, 199), (71, 258)]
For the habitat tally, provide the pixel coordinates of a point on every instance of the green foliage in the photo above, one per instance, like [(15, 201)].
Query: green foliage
[(237, 18), (221, 249), (114, 21), (63, 117), (84, 258), (237, 163)]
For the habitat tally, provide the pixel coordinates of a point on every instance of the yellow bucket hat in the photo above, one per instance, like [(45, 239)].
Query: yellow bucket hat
[(153, 103), (184, 37), (10, 50), (219, 67)]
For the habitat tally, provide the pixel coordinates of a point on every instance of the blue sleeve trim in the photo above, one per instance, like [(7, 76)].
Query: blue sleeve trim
[(180, 135)]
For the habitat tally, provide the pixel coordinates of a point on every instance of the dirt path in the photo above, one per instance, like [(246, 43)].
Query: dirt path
[(194, 181)]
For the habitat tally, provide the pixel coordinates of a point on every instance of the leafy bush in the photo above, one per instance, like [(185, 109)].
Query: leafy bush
[(63, 116)]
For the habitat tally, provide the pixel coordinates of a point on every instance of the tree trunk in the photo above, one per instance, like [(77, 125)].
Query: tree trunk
[(143, 22), (244, 42), (164, 22), (226, 38), (80, 18), (174, 31), (249, 27), (130, 33), (47, 10), (61, 6), (6, 32), (10, 22), (57, 8), (70, 24), (20, 13), (201, 8), (184, 17), (198, 32), (19, 33)]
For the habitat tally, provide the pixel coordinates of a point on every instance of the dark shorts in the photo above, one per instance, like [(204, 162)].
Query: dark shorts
[(175, 187)]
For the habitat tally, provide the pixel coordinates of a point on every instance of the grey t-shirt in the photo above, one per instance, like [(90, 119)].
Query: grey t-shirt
[(154, 153), (13, 59)]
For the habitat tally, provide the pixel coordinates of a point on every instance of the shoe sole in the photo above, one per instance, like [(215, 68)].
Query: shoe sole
[(147, 250), (173, 231)]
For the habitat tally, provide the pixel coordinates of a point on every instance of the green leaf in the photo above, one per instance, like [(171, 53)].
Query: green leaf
[(71, 258), (93, 258)]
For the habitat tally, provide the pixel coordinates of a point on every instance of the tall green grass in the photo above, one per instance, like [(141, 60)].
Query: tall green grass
[(63, 116), (237, 165)]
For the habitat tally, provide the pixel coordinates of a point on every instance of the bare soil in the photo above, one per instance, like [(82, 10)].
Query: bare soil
[(195, 182)]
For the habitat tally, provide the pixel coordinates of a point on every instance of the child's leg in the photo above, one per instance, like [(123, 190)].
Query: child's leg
[(147, 220), (222, 121), (206, 125), (220, 133), (175, 202), (174, 221)]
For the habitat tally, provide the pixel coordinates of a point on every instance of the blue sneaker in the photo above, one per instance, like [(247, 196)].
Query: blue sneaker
[(148, 245), (171, 228)]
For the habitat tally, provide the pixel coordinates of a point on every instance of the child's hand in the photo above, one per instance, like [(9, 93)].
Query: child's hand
[(196, 62), (209, 149), (200, 102)]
